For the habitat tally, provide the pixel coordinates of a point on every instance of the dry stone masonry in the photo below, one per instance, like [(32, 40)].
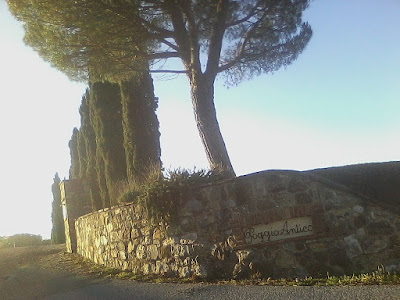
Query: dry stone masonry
[(268, 224)]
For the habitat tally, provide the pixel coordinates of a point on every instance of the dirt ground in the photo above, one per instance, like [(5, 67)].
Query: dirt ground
[(39, 271)]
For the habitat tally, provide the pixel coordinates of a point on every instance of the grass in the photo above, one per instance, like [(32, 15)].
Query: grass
[(379, 277)]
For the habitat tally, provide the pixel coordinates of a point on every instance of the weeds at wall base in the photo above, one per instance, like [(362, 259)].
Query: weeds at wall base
[(379, 277)]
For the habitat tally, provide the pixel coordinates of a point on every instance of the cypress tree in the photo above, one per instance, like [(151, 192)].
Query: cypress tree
[(87, 146), (141, 126), (106, 117), (82, 155), (57, 231), (74, 169)]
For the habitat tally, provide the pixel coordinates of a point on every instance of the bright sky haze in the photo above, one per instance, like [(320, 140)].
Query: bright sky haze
[(337, 104)]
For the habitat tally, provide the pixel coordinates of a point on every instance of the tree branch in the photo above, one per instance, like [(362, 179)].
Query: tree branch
[(214, 52), (193, 36), (151, 28), (169, 44), (163, 55), (181, 35), (251, 14), (169, 71), (251, 57), (241, 47)]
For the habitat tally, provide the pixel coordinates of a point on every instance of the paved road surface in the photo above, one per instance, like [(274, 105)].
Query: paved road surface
[(118, 289), (46, 272)]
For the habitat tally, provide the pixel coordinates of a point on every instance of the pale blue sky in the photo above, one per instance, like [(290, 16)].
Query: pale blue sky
[(337, 104)]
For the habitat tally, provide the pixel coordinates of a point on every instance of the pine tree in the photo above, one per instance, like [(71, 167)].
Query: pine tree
[(112, 39)]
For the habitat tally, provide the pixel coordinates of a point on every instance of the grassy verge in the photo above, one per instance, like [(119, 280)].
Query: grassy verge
[(380, 277)]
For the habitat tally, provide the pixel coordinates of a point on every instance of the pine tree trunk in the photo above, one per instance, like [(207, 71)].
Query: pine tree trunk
[(202, 90)]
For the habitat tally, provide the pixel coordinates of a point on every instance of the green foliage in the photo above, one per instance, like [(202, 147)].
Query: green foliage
[(88, 138), (57, 231), (20, 240), (111, 40), (379, 277), (161, 194), (106, 116), (140, 126), (116, 40), (118, 139), (74, 169), (84, 37)]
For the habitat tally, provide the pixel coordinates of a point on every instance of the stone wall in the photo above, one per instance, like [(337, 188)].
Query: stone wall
[(269, 224)]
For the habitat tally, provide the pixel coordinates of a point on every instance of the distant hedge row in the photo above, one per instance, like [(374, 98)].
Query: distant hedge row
[(21, 240)]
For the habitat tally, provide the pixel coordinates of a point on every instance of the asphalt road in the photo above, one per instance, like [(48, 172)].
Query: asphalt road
[(119, 289), (46, 272)]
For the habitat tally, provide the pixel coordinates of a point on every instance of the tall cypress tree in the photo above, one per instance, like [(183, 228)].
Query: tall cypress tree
[(74, 169), (82, 155), (141, 126), (57, 231), (106, 116), (118, 138), (87, 146)]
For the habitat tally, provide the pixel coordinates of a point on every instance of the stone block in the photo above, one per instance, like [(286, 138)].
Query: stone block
[(375, 245), (284, 259), (200, 271), (352, 246), (165, 252), (103, 240), (296, 185), (131, 247), (147, 230), (135, 233), (358, 209), (184, 272), (114, 236), (317, 246), (126, 234), (153, 252), (114, 253), (380, 228), (162, 268), (147, 268), (141, 252), (125, 266), (193, 205), (110, 227), (120, 246), (189, 238), (303, 198), (158, 234), (122, 255)]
